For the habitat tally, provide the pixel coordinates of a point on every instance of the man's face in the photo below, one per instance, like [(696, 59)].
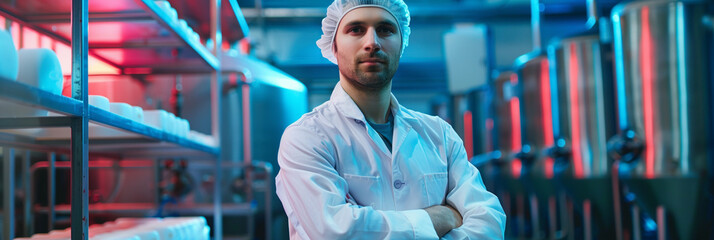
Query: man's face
[(367, 45)]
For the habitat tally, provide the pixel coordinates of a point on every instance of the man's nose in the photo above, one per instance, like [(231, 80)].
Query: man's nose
[(372, 41)]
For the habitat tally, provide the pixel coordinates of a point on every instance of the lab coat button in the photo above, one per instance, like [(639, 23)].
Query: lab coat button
[(398, 184)]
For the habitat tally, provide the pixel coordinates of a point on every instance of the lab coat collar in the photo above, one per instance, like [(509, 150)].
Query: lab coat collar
[(349, 108)]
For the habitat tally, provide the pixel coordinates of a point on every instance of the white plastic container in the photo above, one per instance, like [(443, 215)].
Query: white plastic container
[(122, 109), (138, 114), (166, 7), (186, 128), (174, 125), (100, 102), (158, 119), (40, 67)]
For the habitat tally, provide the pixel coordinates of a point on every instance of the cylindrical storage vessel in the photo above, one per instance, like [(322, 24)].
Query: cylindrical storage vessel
[(661, 83), (534, 74), (480, 117), (508, 120), (507, 139), (663, 98), (584, 118)]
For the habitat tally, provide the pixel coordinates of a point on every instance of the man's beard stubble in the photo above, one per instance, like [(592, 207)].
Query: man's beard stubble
[(369, 81)]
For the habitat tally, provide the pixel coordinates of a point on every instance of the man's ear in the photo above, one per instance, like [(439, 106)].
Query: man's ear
[(334, 45)]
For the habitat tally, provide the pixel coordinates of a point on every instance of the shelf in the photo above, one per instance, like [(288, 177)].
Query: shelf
[(233, 23), (201, 209), (135, 36), (15, 92), (116, 133)]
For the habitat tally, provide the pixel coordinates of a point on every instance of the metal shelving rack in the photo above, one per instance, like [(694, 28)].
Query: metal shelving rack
[(153, 44)]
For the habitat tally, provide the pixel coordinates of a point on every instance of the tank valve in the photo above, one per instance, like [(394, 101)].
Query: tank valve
[(625, 147)]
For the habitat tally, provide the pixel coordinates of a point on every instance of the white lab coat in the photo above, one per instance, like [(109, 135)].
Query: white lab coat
[(338, 180)]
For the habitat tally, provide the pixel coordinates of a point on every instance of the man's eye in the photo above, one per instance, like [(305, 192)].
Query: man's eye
[(355, 30), (385, 30)]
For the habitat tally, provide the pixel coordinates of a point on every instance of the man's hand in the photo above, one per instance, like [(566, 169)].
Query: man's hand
[(444, 218)]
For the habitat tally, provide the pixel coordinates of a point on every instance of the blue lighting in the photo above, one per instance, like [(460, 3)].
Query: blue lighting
[(554, 93), (650, 225), (620, 69)]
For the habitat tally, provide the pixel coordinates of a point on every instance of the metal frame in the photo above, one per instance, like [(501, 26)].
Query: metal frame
[(77, 115), (80, 124), (8, 193)]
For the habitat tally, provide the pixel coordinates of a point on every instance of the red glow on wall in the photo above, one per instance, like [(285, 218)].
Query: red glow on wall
[(245, 46), (468, 134), (516, 168), (515, 118), (515, 125), (573, 75), (46, 42), (548, 165), (516, 144), (547, 114), (30, 38), (15, 32), (2, 23), (545, 103), (646, 71)]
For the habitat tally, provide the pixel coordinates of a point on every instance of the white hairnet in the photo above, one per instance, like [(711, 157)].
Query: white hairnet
[(337, 10)]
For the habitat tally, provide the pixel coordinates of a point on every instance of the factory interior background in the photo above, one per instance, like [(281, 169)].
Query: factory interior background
[(588, 119)]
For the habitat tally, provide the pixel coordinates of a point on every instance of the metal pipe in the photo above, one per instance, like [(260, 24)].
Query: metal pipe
[(615, 175), (216, 84), (636, 232), (27, 224), (564, 223), (8, 225), (535, 24), (268, 198), (587, 220), (553, 219), (592, 11), (661, 223), (51, 191), (571, 219), (535, 217)]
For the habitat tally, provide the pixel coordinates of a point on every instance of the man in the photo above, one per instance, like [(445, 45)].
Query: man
[(361, 166)]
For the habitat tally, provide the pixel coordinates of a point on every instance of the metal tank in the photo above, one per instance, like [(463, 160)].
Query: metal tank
[(507, 121), (583, 86), (275, 100), (661, 82), (584, 119), (533, 71), (508, 145), (478, 118), (664, 108), (258, 102)]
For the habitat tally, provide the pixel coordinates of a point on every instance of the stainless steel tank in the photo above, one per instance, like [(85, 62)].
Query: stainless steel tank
[(585, 111), (661, 83), (480, 103), (506, 105), (507, 139), (584, 119), (537, 127), (663, 100), (276, 100), (534, 74)]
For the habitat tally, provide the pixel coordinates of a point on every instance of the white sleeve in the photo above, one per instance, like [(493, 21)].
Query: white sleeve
[(313, 195), (483, 215)]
